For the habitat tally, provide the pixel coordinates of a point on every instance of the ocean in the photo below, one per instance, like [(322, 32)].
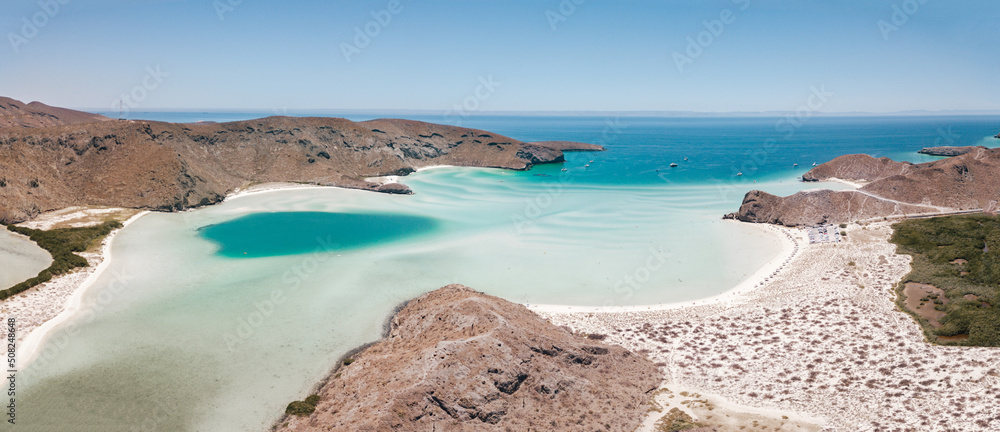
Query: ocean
[(217, 318)]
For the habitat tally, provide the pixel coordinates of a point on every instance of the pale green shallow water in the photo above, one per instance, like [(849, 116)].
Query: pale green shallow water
[(182, 329), (20, 259)]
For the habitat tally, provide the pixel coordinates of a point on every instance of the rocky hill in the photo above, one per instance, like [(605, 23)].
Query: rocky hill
[(168, 166), (458, 360), (14, 113), (968, 181)]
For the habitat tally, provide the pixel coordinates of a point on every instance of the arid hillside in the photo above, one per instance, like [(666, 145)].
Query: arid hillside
[(167, 166), (458, 360), (14, 113), (968, 181)]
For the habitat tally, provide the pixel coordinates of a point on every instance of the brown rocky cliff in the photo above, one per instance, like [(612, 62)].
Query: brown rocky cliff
[(859, 167), (968, 181), (167, 166), (458, 360)]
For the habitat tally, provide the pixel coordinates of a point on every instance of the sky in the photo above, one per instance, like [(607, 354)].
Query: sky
[(472, 56)]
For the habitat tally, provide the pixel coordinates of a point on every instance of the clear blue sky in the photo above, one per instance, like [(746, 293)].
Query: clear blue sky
[(605, 55)]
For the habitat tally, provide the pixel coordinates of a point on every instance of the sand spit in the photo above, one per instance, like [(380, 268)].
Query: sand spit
[(821, 342), (42, 308)]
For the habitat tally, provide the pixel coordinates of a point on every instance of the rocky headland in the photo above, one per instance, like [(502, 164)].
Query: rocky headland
[(949, 150), (52, 158), (458, 360), (966, 182)]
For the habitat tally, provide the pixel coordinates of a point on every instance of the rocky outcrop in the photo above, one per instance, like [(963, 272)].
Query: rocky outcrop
[(818, 206), (458, 360), (14, 113), (949, 151), (167, 166), (568, 146), (857, 167), (964, 182)]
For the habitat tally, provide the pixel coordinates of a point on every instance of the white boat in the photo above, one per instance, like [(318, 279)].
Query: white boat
[(739, 174), (673, 165)]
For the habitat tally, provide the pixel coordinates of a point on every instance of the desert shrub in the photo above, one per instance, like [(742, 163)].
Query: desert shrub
[(62, 244), (935, 244), (303, 407)]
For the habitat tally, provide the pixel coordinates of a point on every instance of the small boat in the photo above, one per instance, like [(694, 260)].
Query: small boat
[(814, 163), (591, 161), (564, 169), (795, 165), (685, 159), (739, 174), (587, 166), (673, 165)]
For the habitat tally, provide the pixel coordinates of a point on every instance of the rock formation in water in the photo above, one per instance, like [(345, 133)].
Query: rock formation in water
[(458, 360), (964, 182), (74, 158), (949, 151), (569, 146)]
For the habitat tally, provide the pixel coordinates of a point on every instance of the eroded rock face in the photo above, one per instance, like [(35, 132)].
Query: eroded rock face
[(458, 360), (964, 182), (167, 166)]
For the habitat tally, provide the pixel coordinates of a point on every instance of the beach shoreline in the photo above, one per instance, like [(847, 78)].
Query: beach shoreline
[(820, 346), (791, 240), (72, 286)]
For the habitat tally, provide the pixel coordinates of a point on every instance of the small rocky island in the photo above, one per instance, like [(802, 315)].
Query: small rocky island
[(949, 151), (459, 360)]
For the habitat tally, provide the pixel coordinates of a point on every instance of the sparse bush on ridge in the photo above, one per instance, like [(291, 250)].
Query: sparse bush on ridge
[(303, 407), (62, 244)]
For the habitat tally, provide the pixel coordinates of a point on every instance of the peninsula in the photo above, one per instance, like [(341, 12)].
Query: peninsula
[(53, 158)]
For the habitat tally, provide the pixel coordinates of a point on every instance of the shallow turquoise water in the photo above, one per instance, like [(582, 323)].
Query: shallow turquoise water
[(290, 233), (185, 333)]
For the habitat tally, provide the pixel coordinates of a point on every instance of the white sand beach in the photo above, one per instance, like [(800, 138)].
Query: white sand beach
[(42, 308), (821, 343)]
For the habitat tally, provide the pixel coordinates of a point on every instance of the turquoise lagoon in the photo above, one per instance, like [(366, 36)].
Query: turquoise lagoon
[(215, 319)]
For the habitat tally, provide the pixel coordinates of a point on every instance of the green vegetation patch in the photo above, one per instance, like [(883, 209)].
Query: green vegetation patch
[(674, 421), (62, 244), (303, 407), (961, 256)]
